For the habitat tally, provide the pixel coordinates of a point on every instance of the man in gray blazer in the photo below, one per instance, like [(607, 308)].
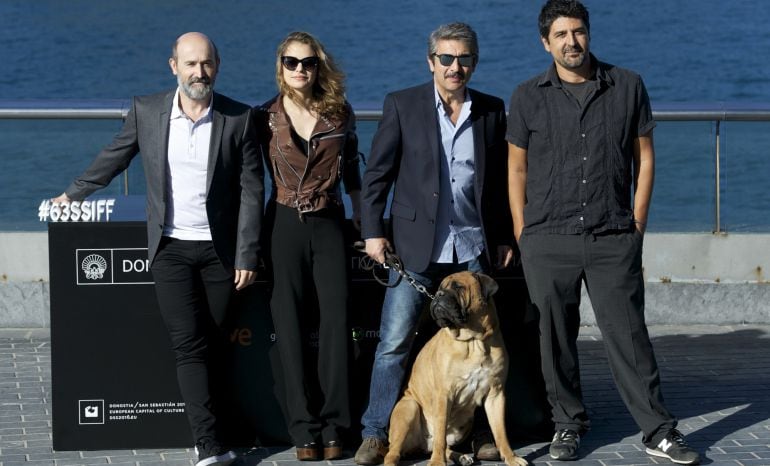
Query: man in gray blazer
[(205, 197)]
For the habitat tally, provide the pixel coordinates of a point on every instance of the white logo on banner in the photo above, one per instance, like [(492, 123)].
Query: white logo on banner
[(112, 266), (91, 412), (94, 266)]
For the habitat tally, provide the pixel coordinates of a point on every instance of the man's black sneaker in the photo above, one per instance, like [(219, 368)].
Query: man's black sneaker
[(675, 448), (564, 445), (212, 453)]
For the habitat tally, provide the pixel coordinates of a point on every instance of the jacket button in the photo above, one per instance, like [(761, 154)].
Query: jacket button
[(435, 194)]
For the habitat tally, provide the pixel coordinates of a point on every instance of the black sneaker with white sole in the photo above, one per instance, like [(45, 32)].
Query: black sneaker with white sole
[(564, 445), (675, 448), (211, 453)]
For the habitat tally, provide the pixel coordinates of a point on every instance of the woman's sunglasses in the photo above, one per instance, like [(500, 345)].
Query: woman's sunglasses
[(291, 63)]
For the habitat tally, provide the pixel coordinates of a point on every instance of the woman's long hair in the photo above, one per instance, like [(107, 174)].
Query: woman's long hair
[(329, 85)]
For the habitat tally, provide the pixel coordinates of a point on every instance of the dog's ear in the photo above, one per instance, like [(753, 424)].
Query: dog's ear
[(488, 285)]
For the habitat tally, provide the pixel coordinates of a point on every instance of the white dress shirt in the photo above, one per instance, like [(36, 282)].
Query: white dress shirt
[(187, 165)]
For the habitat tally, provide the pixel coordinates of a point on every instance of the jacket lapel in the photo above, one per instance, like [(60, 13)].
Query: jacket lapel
[(479, 143), (163, 123), (431, 123), (217, 128)]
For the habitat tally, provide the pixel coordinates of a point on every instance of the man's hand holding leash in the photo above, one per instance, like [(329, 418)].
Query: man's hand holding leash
[(376, 247)]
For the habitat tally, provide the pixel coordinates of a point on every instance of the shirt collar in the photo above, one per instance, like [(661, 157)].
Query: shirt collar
[(440, 103), (176, 110), (551, 76)]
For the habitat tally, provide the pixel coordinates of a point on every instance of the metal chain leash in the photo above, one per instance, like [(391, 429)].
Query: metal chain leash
[(392, 261)]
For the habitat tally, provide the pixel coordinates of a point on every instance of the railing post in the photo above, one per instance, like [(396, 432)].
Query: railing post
[(125, 172), (125, 182), (717, 185)]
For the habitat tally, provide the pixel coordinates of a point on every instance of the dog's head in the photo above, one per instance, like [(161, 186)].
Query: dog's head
[(462, 301)]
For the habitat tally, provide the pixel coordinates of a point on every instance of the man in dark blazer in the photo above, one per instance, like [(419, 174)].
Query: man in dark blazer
[(205, 197), (441, 147)]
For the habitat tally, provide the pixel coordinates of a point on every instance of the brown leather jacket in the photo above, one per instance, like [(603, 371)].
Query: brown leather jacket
[(308, 183)]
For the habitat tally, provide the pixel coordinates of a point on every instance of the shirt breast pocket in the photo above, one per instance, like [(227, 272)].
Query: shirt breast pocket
[(539, 131)]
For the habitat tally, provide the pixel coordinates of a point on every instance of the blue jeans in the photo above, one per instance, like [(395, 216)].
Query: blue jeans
[(400, 315)]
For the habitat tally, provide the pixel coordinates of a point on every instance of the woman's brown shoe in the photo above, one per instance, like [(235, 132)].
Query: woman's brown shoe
[(309, 452), (333, 450)]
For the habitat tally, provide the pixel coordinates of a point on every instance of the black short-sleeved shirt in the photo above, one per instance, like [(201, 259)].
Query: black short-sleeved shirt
[(579, 158)]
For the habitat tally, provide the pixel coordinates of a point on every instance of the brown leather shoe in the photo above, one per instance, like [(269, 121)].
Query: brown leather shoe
[(309, 452), (333, 450), (484, 447), (371, 451)]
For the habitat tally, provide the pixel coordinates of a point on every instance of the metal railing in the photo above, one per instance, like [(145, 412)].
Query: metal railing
[(118, 109)]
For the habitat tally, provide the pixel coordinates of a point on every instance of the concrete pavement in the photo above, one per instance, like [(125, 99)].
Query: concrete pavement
[(716, 379)]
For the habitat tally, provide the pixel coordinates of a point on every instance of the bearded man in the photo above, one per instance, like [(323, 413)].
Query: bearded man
[(205, 198)]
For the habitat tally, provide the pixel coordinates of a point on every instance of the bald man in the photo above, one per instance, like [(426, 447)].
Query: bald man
[(205, 197)]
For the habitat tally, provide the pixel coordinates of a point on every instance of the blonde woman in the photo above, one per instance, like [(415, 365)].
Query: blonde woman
[(308, 137)]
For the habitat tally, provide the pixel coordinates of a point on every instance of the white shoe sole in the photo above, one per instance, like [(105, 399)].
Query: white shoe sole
[(220, 460), (556, 458), (660, 454)]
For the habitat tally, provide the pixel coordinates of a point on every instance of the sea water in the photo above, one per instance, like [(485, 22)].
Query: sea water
[(708, 52)]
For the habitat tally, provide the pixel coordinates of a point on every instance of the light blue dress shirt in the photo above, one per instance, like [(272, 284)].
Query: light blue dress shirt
[(458, 226)]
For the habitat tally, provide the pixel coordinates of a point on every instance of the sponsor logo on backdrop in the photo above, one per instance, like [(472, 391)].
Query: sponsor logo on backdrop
[(94, 266), (362, 268), (97, 411), (116, 266), (360, 333), (90, 411), (132, 411), (362, 263)]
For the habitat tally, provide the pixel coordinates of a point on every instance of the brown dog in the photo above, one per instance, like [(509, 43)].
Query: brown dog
[(463, 366)]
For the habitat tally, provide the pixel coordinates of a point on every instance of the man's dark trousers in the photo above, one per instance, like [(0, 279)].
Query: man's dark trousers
[(610, 263), (193, 289)]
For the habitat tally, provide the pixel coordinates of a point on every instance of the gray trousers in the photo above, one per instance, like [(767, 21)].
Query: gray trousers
[(610, 264)]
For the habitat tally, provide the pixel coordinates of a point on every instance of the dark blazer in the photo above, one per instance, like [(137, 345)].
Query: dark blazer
[(405, 155), (235, 189)]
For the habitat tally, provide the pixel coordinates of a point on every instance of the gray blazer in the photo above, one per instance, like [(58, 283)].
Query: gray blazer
[(235, 189)]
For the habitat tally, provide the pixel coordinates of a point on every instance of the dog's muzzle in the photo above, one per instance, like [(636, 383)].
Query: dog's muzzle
[(447, 311)]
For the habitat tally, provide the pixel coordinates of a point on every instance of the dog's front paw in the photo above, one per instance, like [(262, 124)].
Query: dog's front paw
[(391, 460), (516, 461)]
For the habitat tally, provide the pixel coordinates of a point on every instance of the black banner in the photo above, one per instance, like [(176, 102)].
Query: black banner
[(114, 377), (113, 373)]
